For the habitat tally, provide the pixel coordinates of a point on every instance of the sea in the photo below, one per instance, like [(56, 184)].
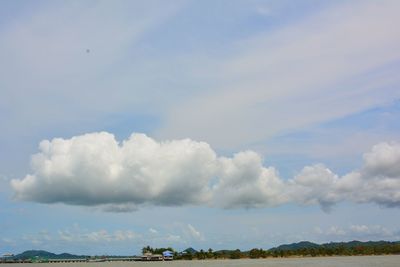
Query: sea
[(353, 261)]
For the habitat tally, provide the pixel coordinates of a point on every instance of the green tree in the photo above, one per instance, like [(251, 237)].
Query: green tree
[(255, 253), (210, 253), (236, 254), (187, 256), (147, 249), (201, 255)]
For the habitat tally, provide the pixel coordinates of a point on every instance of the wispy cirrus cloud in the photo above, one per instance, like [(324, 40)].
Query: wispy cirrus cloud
[(194, 233), (68, 52), (330, 65)]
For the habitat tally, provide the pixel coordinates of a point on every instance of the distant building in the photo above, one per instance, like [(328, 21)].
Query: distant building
[(165, 256), (7, 258), (168, 255), (151, 257)]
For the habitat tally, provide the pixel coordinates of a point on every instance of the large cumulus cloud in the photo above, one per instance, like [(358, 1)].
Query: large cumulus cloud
[(378, 181), (244, 182), (96, 170)]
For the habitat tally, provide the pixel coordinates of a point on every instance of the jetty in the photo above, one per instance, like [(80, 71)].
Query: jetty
[(88, 260)]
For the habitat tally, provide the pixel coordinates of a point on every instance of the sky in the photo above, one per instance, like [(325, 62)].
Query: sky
[(206, 124)]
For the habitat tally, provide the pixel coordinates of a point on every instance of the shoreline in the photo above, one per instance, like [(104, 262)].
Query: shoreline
[(66, 261)]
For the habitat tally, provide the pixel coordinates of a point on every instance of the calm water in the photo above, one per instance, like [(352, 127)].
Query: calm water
[(364, 261)]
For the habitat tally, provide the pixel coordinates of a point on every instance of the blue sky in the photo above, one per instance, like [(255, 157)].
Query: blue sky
[(197, 123)]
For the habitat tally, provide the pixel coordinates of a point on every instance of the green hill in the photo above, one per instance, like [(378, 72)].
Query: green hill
[(45, 255), (296, 246), (336, 248), (355, 243), (190, 250)]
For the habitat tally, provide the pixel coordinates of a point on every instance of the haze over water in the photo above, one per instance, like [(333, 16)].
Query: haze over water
[(354, 261)]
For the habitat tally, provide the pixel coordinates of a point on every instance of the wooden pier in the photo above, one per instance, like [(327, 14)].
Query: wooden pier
[(111, 259)]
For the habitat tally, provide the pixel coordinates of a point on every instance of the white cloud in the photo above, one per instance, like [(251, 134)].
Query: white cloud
[(383, 160), (379, 179), (35, 240), (335, 231), (153, 231), (371, 231), (125, 207), (313, 185), (96, 170), (174, 238), (357, 232), (77, 234), (359, 228), (318, 230), (244, 182), (194, 233)]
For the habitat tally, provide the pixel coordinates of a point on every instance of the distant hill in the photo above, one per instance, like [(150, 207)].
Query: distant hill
[(304, 248), (355, 243), (332, 245), (190, 250), (45, 254), (296, 246)]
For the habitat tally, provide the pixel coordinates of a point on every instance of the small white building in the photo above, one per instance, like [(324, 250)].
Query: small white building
[(168, 255)]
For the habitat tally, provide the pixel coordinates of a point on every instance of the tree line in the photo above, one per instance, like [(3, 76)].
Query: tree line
[(256, 253)]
